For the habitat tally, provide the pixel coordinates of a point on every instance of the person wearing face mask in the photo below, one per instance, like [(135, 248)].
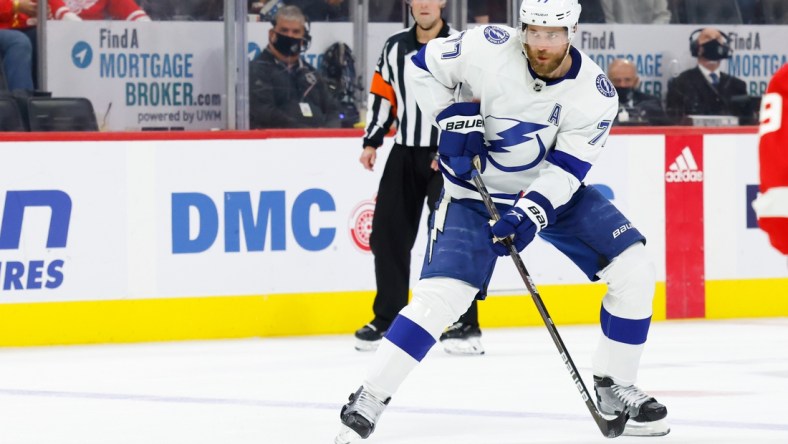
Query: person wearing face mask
[(284, 90), (706, 89), (634, 107)]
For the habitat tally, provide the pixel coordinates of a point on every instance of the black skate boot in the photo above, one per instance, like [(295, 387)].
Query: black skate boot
[(646, 415), (368, 337), (359, 416), (462, 339)]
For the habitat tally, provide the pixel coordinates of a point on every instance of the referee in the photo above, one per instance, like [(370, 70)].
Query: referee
[(411, 174)]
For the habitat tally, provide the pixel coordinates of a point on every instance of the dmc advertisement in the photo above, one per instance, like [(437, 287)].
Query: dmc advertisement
[(191, 218), (272, 216)]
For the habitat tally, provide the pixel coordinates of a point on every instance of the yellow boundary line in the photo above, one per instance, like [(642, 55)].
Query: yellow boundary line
[(141, 320)]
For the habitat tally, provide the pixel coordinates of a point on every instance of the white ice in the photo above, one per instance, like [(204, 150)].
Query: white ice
[(722, 381)]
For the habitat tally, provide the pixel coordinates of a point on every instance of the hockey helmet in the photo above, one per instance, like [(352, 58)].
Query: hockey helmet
[(562, 13)]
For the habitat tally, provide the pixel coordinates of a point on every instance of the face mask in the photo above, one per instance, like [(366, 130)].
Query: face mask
[(288, 46), (624, 94), (714, 50)]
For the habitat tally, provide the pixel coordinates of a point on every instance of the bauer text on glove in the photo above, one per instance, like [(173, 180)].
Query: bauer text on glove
[(529, 215), (462, 138)]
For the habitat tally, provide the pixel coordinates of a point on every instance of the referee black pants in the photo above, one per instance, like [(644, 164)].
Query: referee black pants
[(407, 179)]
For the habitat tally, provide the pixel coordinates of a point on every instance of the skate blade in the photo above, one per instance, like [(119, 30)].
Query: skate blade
[(469, 347), (653, 428), (367, 346), (346, 435)]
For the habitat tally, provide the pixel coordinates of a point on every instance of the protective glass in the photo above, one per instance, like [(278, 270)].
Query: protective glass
[(535, 37)]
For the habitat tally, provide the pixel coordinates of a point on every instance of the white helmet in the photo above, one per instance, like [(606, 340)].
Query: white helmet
[(563, 13)]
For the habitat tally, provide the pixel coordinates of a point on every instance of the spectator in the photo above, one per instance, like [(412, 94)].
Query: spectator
[(634, 107), (636, 11), (705, 89), (16, 49), (285, 91), (16, 53), (99, 10), (323, 10), (18, 19)]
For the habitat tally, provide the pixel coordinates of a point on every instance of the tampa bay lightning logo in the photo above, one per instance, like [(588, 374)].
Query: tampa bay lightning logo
[(604, 86), (511, 133), (495, 35)]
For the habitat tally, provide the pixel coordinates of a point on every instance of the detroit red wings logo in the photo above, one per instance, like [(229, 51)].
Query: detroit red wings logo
[(360, 224), (77, 6)]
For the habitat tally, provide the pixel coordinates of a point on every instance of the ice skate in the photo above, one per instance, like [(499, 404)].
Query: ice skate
[(359, 416), (368, 337), (646, 415), (462, 339)]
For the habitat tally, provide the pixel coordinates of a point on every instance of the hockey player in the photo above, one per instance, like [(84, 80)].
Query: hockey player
[(543, 115), (771, 206)]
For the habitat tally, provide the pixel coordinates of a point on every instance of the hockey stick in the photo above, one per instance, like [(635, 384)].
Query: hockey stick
[(610, 428)]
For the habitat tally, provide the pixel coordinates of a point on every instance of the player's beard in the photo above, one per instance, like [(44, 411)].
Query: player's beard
[(545, 68)]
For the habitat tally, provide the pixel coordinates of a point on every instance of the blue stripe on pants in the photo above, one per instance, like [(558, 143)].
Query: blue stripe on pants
[(410, 337), (628, 331)]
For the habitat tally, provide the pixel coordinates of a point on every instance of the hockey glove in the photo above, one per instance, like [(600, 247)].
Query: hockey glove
[(462, 138), (524, 219)]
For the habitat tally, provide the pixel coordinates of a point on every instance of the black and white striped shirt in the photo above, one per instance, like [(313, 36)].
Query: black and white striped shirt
[(390, 104)]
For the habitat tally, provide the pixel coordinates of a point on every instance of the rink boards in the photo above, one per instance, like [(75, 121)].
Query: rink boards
[(144, 237)]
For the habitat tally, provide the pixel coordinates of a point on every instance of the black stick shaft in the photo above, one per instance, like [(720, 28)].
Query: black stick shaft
[(609, 428)]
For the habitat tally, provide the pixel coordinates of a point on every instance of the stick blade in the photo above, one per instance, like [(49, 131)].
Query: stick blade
[(612, 428)]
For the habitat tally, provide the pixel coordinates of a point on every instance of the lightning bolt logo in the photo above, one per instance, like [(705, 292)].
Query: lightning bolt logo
[(515, 135), (438, 223)]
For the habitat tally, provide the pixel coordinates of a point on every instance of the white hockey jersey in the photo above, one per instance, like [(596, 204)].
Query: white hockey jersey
[(542, 135)]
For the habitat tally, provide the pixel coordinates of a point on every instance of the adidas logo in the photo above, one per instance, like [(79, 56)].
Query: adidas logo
[(684, 169)]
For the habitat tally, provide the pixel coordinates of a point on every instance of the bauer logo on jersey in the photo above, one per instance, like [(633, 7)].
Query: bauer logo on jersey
[(604, 86), (684, 168), (496, 35)]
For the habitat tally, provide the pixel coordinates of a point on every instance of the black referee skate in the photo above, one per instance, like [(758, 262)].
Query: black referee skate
[(369, 336), (646, 415), (359, 416), (462, 339)]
